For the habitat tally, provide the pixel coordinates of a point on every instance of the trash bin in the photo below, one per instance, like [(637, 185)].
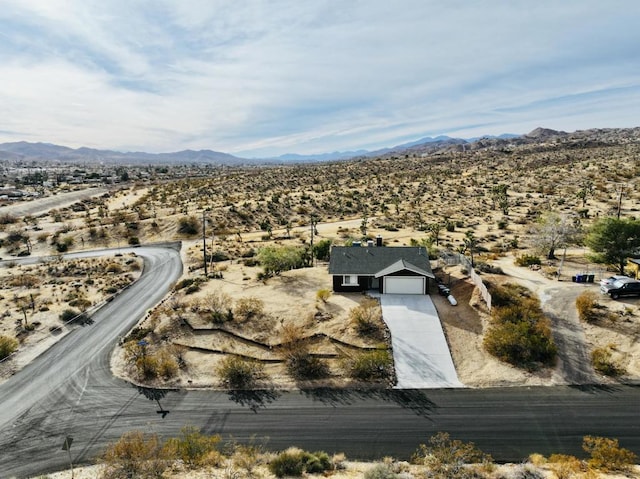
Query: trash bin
[(590, 278), (579, 278), (574, 279)]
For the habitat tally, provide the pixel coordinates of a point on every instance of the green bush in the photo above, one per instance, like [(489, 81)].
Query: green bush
[(294, 462), (603, 362), (520, 334), (522, 344), (238, 373), (8, 345), (366, 318), (322, 249), (303, 366), (288, 463), (248, 308), (528, 260), (380, 470), (370, 366), (73, 316), (188, 225), (449, 458), (276, 259), (194, 448)]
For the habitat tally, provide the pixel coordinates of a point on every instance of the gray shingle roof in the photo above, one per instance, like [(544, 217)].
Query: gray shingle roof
[(368, 260)]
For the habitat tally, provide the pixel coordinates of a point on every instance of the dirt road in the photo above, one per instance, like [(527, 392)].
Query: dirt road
[(558, 299)]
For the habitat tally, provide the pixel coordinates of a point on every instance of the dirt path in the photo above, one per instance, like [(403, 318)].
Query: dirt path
[(558, 299)]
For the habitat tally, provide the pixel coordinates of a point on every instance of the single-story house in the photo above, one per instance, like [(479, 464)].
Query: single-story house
[(389, 270)]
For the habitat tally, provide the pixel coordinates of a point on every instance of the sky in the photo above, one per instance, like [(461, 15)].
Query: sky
[(263, 78)]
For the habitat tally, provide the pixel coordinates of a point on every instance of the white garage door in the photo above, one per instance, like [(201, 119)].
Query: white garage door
[(404, 285)]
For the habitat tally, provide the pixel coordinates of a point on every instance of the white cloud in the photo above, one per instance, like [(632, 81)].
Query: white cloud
[(268, 77)]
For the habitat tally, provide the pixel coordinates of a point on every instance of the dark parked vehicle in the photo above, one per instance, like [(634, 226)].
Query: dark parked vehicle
[(622, 287)]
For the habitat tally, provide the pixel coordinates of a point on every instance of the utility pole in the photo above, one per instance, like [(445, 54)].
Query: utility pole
[(204, 243)]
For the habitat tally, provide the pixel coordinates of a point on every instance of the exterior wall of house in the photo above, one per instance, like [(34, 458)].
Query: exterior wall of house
[(363, 284), (366, 283)]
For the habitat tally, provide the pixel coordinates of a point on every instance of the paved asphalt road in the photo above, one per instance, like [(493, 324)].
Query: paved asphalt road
[(69, 391)]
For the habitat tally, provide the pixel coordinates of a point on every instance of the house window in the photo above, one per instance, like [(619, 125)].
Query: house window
[(350, 280)]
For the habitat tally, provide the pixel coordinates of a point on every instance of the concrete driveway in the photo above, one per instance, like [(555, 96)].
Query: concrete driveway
[(420, 350)]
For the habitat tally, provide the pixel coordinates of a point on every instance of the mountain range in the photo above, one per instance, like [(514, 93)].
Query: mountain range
[(26, 151)]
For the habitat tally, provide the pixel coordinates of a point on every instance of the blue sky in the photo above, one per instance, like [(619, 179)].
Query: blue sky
[(263, 78)]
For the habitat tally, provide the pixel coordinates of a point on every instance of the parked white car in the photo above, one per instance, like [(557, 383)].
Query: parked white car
[(611, 280)]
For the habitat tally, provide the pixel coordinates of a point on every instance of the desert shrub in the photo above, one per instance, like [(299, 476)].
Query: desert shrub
[(217, 256), (245, 456), (218, 307), (322, 249), (138, 333), (526, 311), (380, 470), (82, 303), (135, 454), (323, 294), (194, 448), (564, 466), (7, 219), (449, 458), (303, 366), (483, 267), (147, 366), (508, 294), (522, 344), (317, 462), (586, 305), (8, 345), (248, 308), (24, 280), (238, 373), (369, 366), (73, 316), (276, 259), (167, 364), (607, 455), (603, 362), (183, 283), (366, 318), (188, 225), (528, 260), (294, 462), (190, 285), (519, 334), (288, 463)]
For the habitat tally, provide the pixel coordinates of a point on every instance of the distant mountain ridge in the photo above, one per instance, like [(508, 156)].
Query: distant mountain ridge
[(47, 151), (26, 151)]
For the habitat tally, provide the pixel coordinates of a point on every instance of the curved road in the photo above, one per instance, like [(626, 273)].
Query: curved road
[(69, 391)]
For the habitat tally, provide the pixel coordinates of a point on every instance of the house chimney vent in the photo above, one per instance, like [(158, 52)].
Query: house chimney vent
[(378, 240)]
